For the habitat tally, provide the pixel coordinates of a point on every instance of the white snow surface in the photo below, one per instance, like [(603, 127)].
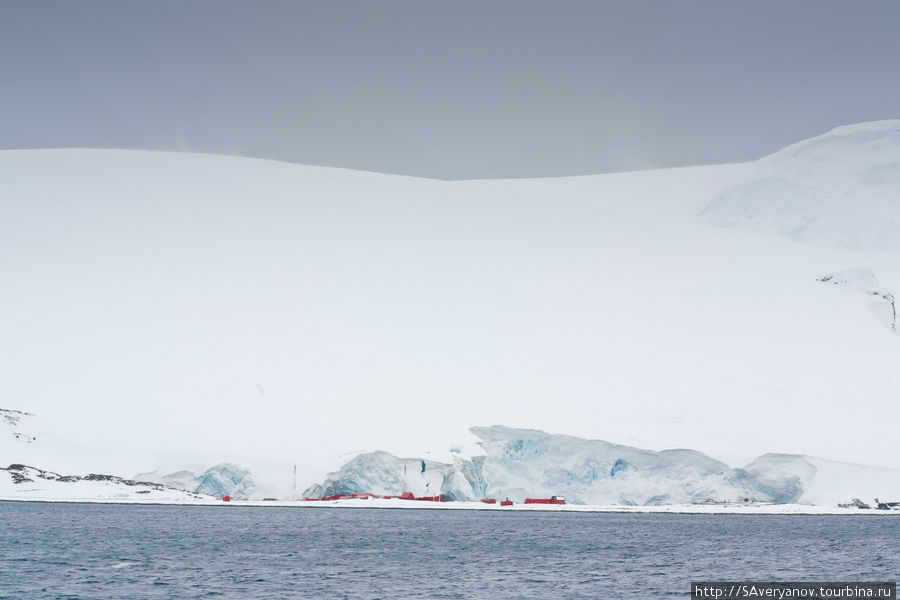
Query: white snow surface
[(170, 312), (882, 303), (838, 189), (21, 482)]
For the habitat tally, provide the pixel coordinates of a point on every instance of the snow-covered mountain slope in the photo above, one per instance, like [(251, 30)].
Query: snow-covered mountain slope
[(167, 311), (21, 482), (838, 189), (19, 444), (882, 303), (30, 439), (18, 481), (520, 463), (15, 430)]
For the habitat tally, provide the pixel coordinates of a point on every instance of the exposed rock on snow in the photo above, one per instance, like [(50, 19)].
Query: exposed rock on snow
[(13, 420), (864, 282), (21, 482)]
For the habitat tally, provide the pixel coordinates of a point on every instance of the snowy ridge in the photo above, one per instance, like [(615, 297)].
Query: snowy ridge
[(21, 482), (13, 420), (840, 189)]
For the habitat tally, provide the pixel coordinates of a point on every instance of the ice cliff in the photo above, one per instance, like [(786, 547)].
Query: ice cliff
[(520, 463), (383, 474), (221, 480)]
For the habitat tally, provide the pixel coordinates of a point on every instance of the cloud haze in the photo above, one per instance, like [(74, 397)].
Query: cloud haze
[(447, 90)]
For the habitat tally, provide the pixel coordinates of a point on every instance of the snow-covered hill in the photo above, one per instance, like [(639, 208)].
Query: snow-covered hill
[(838, 189), (12, 419), (520, 463), (21, 482), (168, 312)]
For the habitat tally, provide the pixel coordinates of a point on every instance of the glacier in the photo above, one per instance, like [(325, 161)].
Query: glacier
[(174, 311), (837, 189), (384, 474), (520, 463), (220, 480)]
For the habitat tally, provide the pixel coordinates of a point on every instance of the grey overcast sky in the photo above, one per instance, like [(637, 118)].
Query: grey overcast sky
[(451, 90)]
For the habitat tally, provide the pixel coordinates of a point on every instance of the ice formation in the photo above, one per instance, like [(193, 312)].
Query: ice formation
[(218, 481), (520, 463)]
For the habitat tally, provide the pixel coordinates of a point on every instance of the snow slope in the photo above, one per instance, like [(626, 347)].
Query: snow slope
[(172, 312), (21, 482), (882, 303), (838, 189)]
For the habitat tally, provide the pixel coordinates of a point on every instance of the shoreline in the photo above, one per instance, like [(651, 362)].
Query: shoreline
[(396, 504)]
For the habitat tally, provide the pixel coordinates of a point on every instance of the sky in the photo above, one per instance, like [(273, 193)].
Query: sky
[(451, 90)]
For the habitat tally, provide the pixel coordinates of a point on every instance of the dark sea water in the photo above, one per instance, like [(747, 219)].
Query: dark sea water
[(101, 552)]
